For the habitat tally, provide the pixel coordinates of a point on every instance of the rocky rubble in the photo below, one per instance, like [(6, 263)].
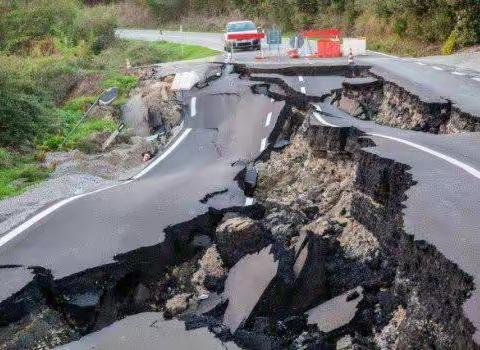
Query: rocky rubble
[(320, 262), (387, 103)]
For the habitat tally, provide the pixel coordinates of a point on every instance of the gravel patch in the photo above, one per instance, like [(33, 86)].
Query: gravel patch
[(14, 211)]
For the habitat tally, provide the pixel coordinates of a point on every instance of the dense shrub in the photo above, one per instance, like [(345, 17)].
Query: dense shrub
[(96, 25), (37, 20), (24, 108)]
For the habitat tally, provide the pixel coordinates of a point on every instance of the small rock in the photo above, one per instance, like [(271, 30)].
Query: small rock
[(344, 343), (178, 304)]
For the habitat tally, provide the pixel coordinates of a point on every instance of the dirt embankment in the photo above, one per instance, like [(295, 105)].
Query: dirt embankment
[(388, 103)]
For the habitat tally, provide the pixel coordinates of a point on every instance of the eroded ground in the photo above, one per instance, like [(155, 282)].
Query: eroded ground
[(320, 261)]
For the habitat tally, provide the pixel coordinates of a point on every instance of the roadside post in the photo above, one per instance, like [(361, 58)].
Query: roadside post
[(105, 99), (112, 137), (183, 39)]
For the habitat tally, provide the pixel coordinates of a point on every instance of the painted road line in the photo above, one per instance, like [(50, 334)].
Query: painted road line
[(300, 78), (263, 145), (421, 63), (453, 161), (323, 121), (269, 119), (437, 68), (164, 155), (303, 90), (459, 73), (249, 201), (193, 107), (27, 224), (476, 78), (383, 54)]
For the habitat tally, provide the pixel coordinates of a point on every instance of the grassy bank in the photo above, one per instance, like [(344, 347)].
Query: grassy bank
[(52, 70)]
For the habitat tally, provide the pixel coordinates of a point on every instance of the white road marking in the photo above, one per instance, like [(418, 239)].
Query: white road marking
[(421, 63), (300, 78), (15, 232), (27, 224), (383, 54), (437, 68), (193, 107), (476, 79), (164, 154), (459, 73), (453, 161), (249, 201), (303, 90), (263, 145), (323, 121), (269, 119)]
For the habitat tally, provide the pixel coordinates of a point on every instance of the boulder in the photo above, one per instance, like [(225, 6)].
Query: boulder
[(211, 272), (239, 236)]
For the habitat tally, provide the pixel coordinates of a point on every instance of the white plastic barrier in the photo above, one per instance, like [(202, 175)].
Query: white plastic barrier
[(358, 46)]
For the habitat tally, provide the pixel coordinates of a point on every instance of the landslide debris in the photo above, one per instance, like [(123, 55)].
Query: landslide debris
[(321, 261)]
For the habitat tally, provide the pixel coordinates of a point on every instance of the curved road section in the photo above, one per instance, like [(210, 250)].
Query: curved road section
[(225, 123), (229, 124)]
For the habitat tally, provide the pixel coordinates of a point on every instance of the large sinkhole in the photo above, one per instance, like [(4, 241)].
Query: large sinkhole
[(320, 260)]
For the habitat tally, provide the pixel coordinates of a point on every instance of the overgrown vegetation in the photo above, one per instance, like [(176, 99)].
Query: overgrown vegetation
[(55, 58), (401, 26)]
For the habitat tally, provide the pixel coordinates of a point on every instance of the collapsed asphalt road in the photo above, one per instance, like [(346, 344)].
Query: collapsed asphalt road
[(95, 255)]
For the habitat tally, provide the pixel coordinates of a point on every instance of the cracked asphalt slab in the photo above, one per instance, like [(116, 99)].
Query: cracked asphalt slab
[(91, 231), (442, 208)]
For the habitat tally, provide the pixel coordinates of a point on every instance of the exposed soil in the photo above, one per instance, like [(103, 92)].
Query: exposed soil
[(387, 103), (321, 261)]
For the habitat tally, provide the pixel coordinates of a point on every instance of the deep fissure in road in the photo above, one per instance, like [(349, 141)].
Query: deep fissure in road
[(321, 260), (388, 103)]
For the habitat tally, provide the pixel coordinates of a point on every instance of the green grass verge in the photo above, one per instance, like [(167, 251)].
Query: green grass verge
[(17, 173), (140, 53)]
